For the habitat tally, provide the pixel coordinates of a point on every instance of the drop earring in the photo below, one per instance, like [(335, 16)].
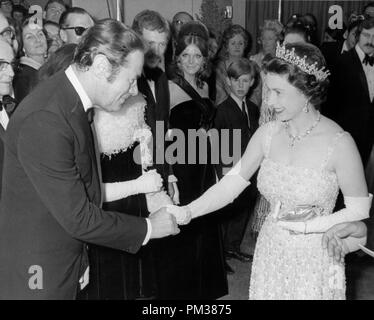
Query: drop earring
[(306, 107)]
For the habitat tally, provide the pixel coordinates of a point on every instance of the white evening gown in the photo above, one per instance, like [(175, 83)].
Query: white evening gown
[(295, 267)]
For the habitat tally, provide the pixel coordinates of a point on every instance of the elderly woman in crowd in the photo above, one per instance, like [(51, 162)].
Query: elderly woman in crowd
[(35, 53)]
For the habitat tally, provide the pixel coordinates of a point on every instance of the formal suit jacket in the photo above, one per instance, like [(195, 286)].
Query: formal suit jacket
[(25, 80), (229, 116), (157, 110), (2, 137), (349, 102), (51, 197)]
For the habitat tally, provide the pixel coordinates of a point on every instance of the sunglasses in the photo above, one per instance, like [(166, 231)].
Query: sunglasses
[(4, 65), (78, 30)]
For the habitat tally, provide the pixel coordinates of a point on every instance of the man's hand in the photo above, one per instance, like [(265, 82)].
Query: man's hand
[(333, 239), (163, 224)]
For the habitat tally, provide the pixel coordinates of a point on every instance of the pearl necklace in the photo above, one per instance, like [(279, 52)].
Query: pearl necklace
[(297, 138)]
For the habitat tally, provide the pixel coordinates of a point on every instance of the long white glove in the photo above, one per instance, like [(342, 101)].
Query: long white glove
[(356, 208), (220, 194), (148, 182)]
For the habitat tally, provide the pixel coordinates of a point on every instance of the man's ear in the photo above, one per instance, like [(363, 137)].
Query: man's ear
[(101, 66), (63, 36)]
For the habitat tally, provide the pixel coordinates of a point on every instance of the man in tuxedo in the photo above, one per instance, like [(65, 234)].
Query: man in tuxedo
[(153, 84), (7, 104), (350, 101), (237, 112), (51, 199)]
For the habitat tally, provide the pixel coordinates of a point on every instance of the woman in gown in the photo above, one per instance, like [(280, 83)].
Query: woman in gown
[(304, 159), (193, 262)]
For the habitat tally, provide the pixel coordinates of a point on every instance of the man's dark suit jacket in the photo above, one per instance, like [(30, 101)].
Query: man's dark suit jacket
[(157, 111), (229, 116), (349, 102), (51, 197), (2, 137), (25, 80)]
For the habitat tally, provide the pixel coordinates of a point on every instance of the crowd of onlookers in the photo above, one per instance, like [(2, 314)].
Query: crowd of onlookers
[(229, 58)]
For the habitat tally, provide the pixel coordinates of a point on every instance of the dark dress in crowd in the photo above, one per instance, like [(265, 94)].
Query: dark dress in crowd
[(25, 78), (192, 262), (116, 274)]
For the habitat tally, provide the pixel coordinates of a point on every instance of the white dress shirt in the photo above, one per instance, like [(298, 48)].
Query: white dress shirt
[(4, 119)]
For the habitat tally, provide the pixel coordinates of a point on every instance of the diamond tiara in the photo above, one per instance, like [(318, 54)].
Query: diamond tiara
[(290, 57)]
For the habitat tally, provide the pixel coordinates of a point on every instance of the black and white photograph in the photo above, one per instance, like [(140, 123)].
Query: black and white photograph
[(194, 151)]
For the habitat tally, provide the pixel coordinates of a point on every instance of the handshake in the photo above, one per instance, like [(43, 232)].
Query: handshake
[(165, 221)]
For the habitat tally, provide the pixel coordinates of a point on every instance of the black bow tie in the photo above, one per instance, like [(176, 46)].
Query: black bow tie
[(90, 115), (8, 103), (152, 73), (368, 60)]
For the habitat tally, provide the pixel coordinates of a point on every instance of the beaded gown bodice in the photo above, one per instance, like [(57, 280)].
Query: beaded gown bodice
[(290, 266)]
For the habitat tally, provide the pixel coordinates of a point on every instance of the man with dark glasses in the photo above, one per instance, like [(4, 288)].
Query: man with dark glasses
[(74, 22)]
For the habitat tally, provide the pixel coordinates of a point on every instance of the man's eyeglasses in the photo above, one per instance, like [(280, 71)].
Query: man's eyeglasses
[(4, 65), (8, 33), (78, 30)]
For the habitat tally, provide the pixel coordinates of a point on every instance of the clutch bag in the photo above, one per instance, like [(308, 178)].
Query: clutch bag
[(300, 213)]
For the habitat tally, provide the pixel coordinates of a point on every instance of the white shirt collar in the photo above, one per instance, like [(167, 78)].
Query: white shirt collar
[(86, 101), (30, 62), (360, 53), (345, 47), (237, 100)]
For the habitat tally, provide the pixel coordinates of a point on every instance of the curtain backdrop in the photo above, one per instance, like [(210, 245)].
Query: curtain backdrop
[(112, 9), (259, 10)]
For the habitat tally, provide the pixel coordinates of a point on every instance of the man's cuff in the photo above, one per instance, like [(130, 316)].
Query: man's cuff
[(149, 231)]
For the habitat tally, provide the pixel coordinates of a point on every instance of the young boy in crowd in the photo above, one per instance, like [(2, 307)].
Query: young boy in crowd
[(237, 114)]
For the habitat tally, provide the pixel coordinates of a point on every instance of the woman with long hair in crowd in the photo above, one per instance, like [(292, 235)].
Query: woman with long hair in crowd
[(193, 261), (35, 54)]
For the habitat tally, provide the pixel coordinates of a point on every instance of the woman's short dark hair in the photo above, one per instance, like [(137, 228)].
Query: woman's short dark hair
[(231, 32), (298, 27), (315, 90), (111, 38), (58, 60)]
